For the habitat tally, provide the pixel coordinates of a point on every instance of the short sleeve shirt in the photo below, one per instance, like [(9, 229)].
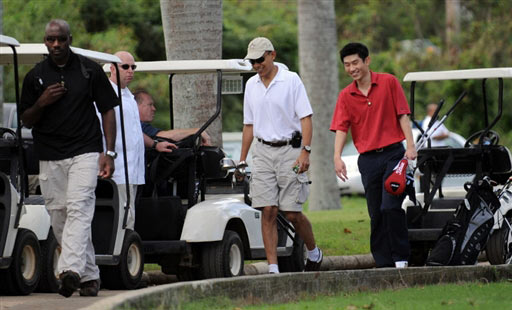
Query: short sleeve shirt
[(372, 119), (149, 130), (68, 127), (275, 111)]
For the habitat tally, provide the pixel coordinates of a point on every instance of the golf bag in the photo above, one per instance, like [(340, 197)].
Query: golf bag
[(466, 235)]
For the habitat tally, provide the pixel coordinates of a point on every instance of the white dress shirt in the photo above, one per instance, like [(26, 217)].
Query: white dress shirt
[(134, 141)]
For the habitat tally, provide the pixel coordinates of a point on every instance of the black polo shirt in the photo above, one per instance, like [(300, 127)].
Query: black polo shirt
[(68, 127)]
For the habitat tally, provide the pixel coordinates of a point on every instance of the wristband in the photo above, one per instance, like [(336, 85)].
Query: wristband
[(155, 142)]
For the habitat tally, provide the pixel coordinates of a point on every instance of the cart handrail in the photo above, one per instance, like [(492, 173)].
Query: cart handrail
[(484, 73), (32, 53)]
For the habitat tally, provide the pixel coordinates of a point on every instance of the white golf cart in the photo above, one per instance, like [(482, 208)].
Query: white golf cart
[(481, 156), (22, 225), (191, 219), (36, 213)]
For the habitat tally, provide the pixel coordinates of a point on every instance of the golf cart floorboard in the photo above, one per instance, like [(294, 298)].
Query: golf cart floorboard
[(165, 247)]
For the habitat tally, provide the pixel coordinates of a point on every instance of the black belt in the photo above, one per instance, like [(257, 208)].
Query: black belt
[(382, 149), (274, 144)]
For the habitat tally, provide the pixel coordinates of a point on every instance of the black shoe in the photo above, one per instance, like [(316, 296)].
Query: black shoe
[(69, 283), (90, 288), (314, 266)]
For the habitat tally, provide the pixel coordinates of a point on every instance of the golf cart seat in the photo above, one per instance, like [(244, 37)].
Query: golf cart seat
[(8, 152), (494, 161)]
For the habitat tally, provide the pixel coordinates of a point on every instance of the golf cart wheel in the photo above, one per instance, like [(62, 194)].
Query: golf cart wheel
[(50, 253), (223, 258), (22, 277), (499, 246), (128, 273), (297, 260)]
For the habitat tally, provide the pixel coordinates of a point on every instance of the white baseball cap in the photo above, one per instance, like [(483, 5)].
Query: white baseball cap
[(257, 47)]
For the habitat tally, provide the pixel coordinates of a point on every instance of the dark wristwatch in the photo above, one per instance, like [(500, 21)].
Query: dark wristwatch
[(155, 142), (111, 154), (307, 148)]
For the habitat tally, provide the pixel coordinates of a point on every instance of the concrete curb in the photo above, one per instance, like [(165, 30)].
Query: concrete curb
[(289, 286)]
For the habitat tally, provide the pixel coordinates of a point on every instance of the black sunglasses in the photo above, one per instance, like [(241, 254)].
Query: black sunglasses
[(52, 39), (127, 66), (259, 60)]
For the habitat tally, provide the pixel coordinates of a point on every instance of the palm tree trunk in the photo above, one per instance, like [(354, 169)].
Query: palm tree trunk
[(319, 71), (193, 30)]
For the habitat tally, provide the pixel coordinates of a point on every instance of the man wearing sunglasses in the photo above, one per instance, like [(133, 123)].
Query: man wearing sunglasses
[(277, 113), (135, 139), (57, 100)]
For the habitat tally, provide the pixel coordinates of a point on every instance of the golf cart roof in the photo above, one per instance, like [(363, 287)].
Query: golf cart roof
[(31, 53), (486, 73), (8, 41), (192, 66)]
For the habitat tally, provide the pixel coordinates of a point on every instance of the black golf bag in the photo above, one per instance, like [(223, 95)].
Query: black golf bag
[(466, 235)]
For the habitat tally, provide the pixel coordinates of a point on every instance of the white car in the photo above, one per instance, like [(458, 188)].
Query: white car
[(354, 184)]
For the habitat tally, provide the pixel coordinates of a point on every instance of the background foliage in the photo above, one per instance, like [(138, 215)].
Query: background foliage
[(403, 36)]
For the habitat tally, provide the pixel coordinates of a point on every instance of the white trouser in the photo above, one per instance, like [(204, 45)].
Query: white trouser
[(68, 188), (130, 223)]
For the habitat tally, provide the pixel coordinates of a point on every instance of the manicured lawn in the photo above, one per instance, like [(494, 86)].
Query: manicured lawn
[(480, 296), (345, 231)]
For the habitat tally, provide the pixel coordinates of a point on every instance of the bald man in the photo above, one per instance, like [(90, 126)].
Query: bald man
[(58, 100), (133, 135)]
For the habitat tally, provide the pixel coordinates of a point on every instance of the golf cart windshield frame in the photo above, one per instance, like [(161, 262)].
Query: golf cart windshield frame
[(173, 67), (483, 74)]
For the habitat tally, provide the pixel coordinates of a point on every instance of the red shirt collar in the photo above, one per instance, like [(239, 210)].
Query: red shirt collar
[(353, 86)]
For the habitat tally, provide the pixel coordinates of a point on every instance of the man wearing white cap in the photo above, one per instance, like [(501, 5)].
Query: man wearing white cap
[(277, 113)]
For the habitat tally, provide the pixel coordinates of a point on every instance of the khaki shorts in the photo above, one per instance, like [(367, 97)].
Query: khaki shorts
[(273, 182)]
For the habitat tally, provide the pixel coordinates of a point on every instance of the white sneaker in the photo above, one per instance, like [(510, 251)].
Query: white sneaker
[(401, 264)]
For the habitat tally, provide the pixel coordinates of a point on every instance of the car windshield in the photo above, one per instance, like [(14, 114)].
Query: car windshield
[(349, 149)]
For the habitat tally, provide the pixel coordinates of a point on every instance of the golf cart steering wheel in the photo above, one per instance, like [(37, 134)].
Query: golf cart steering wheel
[(490, 138), (186, 142), (8, 131)]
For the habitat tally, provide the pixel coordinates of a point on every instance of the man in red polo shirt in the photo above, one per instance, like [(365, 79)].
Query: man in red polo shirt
[(375, 109)]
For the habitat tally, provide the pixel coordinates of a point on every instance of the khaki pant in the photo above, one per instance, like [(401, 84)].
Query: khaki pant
[(130, 221), (273, 181), (68, 188)]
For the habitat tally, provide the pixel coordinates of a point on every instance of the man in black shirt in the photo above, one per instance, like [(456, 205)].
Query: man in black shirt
[(57, 101)]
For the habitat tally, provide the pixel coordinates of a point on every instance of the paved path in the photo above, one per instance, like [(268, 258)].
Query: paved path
[(46, 301)]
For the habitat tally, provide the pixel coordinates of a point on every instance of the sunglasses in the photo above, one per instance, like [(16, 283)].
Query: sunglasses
[(259, 60), (52, 39), (127, 66)]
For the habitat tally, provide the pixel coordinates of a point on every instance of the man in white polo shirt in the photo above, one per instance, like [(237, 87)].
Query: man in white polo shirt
[(276, 109)]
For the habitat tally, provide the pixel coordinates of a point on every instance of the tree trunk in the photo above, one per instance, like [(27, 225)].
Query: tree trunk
[(319, 70), (452, 11), (193, 30)]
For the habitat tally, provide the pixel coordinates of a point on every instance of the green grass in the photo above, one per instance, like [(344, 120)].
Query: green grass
[(443, 297), (345, 231)]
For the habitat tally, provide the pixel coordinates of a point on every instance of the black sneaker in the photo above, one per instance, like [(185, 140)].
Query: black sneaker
[(69, 283), (314, 266), (90, 288)]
